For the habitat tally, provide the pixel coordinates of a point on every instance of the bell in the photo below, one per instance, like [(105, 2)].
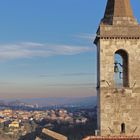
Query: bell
[(116, 69)]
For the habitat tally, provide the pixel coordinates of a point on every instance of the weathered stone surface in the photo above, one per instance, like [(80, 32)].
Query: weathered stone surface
[(119, 105)]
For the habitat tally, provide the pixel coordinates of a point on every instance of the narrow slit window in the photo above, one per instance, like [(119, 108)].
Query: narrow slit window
[(123, 128)]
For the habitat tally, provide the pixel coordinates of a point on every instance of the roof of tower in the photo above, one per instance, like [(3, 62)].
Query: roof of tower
[(119, 9)]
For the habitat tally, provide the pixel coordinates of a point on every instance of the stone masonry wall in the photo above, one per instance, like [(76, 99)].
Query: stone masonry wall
[(117, 106)]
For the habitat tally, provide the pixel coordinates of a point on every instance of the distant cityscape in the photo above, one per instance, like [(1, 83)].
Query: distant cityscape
[(24, 121)]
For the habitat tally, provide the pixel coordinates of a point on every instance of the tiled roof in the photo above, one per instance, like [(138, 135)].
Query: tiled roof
[(113, 138)]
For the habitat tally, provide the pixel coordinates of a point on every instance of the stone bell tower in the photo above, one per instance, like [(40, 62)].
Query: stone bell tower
[(118, 105)]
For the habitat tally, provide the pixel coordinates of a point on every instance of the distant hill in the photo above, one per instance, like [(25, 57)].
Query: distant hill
[(79, 101), (47, 102)]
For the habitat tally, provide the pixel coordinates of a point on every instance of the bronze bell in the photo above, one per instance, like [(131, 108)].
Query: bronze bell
[(116, 68)]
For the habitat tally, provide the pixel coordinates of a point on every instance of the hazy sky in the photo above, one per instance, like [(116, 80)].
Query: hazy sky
[(46, 47)]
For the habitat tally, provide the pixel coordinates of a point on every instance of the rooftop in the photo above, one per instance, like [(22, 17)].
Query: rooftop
[(113, 138)]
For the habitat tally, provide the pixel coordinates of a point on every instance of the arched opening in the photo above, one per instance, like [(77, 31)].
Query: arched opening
[(123, 128), (121, 69)]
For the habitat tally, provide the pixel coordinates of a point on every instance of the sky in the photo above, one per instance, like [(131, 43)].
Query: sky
[(46, 47)]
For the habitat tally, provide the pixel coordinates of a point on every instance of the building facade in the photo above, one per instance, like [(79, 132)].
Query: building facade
[(118, 67)]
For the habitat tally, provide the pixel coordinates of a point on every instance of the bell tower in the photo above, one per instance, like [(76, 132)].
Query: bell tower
[(118, 67)]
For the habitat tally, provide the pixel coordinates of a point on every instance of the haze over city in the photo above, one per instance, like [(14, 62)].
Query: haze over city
[(46, 47)]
